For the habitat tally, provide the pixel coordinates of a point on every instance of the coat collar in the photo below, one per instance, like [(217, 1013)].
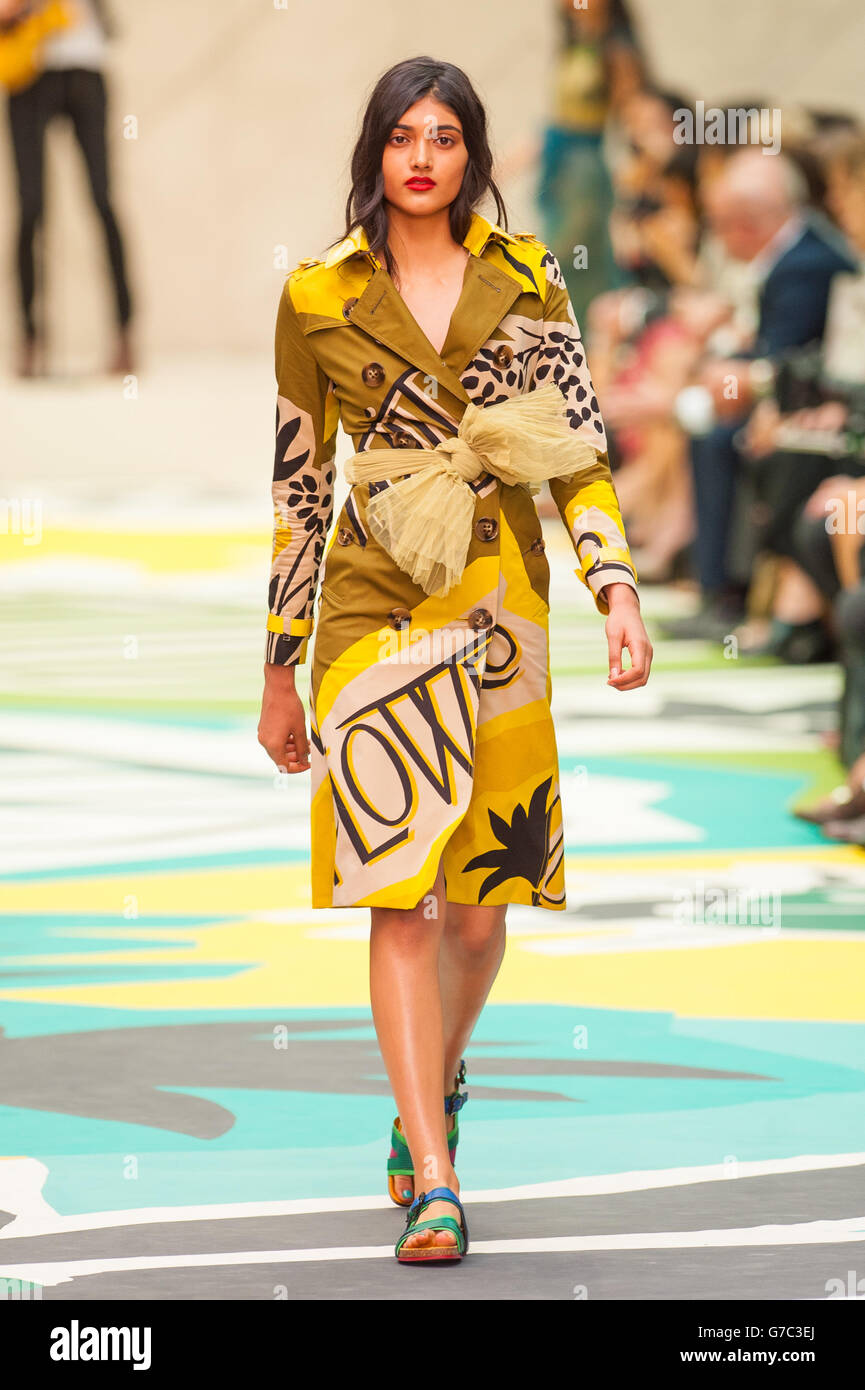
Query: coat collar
[(479, 233), (487, 294)]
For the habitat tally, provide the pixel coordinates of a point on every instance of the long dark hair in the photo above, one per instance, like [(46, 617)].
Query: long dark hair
[(396, 90)]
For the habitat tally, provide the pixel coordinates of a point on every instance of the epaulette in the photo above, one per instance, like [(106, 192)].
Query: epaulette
[(526, 236)]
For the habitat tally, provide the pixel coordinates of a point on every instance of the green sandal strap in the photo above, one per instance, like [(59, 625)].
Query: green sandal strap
[(399, 1162), (441, 1223)]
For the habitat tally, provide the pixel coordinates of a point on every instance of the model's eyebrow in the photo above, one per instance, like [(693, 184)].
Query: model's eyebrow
[(402, 125)]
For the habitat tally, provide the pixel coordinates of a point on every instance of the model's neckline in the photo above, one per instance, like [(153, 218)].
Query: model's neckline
[(442, 351)]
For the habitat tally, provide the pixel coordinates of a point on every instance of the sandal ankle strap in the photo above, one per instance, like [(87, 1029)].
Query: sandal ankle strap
[(457, 1098)]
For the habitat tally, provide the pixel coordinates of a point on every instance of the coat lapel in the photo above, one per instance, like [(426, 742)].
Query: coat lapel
[(487, 294), (382, 313)]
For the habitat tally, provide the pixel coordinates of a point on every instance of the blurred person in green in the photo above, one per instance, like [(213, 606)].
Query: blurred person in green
[(599, 66)]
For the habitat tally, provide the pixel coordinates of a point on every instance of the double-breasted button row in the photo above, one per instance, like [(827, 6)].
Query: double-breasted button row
[(503, 355), (372, 374), (479, 618), (344, 536), (486, 528)]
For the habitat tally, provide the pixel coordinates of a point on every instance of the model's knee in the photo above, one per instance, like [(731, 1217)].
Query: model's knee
[(476, 931), (406, 933)]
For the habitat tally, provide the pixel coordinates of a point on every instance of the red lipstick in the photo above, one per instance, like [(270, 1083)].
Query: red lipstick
[(420, 183)]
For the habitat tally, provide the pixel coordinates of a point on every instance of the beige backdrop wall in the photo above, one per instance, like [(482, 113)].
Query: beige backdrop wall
[(246, 110)]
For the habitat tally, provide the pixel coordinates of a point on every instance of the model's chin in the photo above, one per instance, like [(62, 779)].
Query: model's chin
[(420, 200)]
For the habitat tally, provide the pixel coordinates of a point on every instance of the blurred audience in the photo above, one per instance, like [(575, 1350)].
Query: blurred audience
[(731, 369), (756, 208), (818, 443), (52, 54)]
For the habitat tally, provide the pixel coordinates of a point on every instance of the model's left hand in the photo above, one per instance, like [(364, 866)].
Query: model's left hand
[(625, 628)]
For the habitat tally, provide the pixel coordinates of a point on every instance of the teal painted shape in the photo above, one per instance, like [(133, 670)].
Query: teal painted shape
[(823, 909), (842, 1044), (287, 1144), (139, 973), (164, 864), (734, 809)]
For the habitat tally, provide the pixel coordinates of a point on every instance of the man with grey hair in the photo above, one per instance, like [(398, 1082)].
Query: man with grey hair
[(757, 209)]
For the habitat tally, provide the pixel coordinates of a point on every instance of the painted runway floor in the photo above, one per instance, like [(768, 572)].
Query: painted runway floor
[(667, 1088)]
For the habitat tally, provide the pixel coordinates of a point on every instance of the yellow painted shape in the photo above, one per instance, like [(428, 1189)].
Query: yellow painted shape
[(283, 965), (240, 889), (780, 978), (158, 551)]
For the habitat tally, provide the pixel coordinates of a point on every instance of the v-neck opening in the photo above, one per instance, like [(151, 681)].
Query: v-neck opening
[(440, 354)]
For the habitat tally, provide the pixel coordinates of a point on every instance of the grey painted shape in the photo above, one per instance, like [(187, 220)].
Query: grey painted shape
[(119, 1074)]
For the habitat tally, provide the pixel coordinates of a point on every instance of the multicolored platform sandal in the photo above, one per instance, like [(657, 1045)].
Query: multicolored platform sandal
[(399, 1164), (433, 1254)]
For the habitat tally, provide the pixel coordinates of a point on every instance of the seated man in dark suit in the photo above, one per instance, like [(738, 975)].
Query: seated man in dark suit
[(757, 211)]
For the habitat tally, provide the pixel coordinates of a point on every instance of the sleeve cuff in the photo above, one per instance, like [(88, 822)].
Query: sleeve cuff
[(287, 640), (607, 566)]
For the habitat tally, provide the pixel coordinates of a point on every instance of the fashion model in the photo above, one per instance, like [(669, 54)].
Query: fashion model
[(449, 350)]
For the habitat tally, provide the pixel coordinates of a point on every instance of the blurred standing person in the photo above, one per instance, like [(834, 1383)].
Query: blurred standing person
[(66, 79), (598, 67)]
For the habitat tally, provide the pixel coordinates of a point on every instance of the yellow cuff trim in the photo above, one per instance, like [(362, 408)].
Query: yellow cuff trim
[(297, 627), (606, 552)]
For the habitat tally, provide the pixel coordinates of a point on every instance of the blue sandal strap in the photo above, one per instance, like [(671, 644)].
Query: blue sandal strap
[(439, 1194)]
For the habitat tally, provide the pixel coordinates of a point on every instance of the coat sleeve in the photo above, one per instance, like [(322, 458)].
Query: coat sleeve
[(588, 506), (307, 417)]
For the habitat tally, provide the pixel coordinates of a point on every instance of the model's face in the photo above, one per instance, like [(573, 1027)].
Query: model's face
[(424, 159)]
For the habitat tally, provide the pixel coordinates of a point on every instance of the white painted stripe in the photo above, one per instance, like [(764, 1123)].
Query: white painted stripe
[(848, 1230), (596, 1185)]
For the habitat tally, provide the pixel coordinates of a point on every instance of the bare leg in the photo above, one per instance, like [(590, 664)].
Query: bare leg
[(418, 958), (406, 1008), (472, 950)]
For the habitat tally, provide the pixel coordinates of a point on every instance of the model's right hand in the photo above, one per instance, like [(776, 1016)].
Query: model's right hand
[(282, 726)]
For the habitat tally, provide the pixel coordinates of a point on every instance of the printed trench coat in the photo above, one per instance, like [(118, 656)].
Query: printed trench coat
[(431, 736)]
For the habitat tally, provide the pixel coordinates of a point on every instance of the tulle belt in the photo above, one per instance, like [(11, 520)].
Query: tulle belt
[(424, 521)]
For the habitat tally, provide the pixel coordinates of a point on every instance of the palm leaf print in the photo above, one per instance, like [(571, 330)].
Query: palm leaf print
[(525, 845)]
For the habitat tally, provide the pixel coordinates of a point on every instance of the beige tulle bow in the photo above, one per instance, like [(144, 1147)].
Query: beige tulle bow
[(424, 521)]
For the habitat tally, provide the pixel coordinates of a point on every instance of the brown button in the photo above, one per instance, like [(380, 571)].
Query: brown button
[(402, 440), (399, 617), (480, 618), (503, 355), (538, 545), (486, 528), (372, 374), (348, 306), (344, 535)]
